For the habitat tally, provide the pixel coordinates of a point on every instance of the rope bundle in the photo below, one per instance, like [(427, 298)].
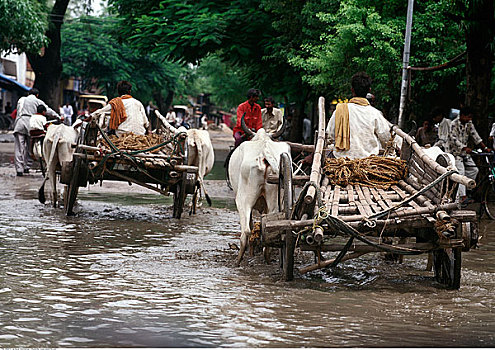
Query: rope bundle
[(130, 141), (372, 171)]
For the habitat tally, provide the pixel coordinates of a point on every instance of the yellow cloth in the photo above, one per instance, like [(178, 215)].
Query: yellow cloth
[(342, 129), (117, 114)]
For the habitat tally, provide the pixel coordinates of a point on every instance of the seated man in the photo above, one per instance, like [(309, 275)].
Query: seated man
[(461, 130), (357, 129), (126, 113), (426, 136), (37, 127)]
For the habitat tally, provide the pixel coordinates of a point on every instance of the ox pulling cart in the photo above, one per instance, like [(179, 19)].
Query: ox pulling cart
[(157, 162), (418, 214)]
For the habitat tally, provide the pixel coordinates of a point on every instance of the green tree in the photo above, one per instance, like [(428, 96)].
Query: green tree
[(28, 32), (90, 51)]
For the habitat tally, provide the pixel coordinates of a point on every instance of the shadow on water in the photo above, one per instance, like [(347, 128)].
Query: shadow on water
[(124, 273)]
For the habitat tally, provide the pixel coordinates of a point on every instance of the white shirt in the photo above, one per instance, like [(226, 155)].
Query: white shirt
[(272, 121), (443, 133), (37, 122), (136, 121), (170, 117), (369, 131), (492, 134), (68, 111)]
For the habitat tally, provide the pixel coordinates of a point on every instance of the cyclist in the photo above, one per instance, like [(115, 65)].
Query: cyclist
[(461, 130)]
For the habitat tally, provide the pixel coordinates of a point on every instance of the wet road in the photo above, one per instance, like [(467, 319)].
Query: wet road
[(124, 273)]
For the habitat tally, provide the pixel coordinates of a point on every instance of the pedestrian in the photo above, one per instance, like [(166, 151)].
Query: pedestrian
[(126, 113), (306, 132), (272, 117), (443, 127), (426, 136), (68, 112), (8, 108), (357, 129), (252, 117), (26, 107), (462, 130)]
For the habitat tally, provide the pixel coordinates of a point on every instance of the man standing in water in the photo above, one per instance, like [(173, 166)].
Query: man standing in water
[(26, 107), (357, 129), (252, 118)]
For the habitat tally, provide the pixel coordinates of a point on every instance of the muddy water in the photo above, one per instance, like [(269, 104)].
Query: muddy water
[(123, 273)]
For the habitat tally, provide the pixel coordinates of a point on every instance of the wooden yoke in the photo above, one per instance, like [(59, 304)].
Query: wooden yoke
[(317, 158)]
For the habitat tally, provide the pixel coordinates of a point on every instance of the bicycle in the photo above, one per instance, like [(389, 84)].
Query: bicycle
[(485, 190)]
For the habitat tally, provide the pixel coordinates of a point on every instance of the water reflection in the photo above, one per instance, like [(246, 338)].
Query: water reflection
[(123, 273)]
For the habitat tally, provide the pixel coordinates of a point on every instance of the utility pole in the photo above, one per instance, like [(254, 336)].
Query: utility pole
[(405, 62)]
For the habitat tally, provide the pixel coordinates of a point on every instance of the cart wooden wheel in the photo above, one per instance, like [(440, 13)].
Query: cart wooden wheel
[(179, 196), (447, 265), (285, 202), (72, 188)]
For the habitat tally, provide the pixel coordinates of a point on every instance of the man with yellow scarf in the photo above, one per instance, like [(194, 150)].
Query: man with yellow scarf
[(126, 113), (357, 129)]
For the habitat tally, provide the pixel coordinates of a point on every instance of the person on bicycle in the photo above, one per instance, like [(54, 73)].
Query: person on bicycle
[(252, 118), (461, 130)]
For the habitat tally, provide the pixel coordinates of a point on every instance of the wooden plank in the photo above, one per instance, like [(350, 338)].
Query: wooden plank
[(378, 198), (329, 198), (362, 205), (371, 202), (385, 197), (335, 201), (404, 195)]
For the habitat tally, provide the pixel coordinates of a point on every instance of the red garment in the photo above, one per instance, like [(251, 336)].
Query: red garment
[(252, 118), (13, 115)]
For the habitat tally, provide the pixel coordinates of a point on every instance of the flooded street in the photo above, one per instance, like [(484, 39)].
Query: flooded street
[(123, 273)]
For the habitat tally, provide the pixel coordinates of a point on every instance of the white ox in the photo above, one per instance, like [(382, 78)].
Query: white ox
[(57, 148), (249, 166), (200, 152)]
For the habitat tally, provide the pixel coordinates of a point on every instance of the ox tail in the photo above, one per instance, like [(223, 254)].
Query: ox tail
[(41, 191)]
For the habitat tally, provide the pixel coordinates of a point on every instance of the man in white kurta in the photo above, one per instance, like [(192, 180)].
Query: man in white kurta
[(135, 119), (368, 130)]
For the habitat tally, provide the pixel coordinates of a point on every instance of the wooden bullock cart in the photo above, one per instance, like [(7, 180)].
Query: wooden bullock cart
[(417, 215), (160, 165)]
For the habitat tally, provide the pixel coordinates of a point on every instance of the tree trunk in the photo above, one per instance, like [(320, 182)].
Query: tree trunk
[(48, 66), (163, 103), (297, 117), (479, 36)]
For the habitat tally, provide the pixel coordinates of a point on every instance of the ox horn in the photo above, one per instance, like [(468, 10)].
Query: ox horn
[(280, 131), (246, 130)]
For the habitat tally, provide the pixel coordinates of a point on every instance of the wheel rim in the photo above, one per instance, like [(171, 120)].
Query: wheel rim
[(489, 201)]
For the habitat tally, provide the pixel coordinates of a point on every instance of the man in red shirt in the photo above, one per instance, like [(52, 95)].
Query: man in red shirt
[(252, 118)]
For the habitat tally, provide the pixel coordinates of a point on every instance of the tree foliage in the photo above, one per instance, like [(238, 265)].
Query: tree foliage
[(22, 26), (90, 51)]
